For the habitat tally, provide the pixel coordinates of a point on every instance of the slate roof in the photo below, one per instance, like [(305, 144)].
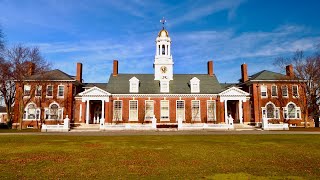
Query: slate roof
[(225, 86), (267, 75), (179, 85), (99, 85), (52, 75)]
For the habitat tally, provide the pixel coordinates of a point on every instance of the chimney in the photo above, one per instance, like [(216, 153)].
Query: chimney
[(289, 71), (31, 67), (244, 72), (115, 67), (79, 72), (210, 68)]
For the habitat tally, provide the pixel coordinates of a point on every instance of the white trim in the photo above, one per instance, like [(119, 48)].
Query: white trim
[(293, 96), (283, 89), (197, 119), (195, 82), (264, 88), (58, 91), (26, 113), (145, 110), (276, 112), (166, 119), (131, 118), (163, 94), (47, 91), (113, 111), (134, 81), (276, 90), (214, 110), (296, 112), (184, 110), (60, 112)]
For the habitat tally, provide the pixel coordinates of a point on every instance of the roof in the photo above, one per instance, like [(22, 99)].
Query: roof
[(225, 86), (267, 75), (3, 109), (147, 85), (52, 75), (99, 85)]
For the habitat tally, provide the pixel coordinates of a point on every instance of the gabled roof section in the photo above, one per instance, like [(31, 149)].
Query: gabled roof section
[(194, 79), (94, 91), (134, 79), (179, 85), (234, 91), (102, 86), (267, 75), (53, 75)]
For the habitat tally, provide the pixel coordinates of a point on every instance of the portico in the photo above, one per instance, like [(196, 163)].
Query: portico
[(234, 99), (92, 98)]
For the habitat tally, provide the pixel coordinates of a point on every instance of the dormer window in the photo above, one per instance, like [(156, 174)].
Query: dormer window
[(164, 86), (134, 85), (195, 85)]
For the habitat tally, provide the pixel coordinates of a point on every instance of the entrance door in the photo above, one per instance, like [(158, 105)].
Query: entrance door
[(233, 110), (97, 114)]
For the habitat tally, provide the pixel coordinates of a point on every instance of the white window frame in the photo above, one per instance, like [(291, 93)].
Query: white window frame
[(195, 85), (264, 89), (282, 89), (297, 91), (162, 115), (47, 91), (151, 113), (184, 109), (164, 86), (214, 118), (134, 85), (25, 87), (58, 95), (26, 112), (47, 113), (197, 118), (38, 88), (297, 112), (119, 110), (131, 118), (272, 91), (276, 112)]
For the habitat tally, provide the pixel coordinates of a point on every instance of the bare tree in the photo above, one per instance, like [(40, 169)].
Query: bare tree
[(307, 73), (16, 64)]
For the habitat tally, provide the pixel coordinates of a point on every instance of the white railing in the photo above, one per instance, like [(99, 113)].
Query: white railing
[(65, 127), (267, 126)]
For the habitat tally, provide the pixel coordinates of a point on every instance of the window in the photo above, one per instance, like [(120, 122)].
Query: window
[(195, 110), (291, 111), (49, 90), (164, 86), (117, 110), (295, 92), (149, 110), (31, 112), (274, 91), (133, 110), (27, 89), (264, 93), (270, 111), (164, 110), (180, 109), (163, 49), (195, 85), (134, 85), (211, 110), (60, 90), (38, 90), (284, 91), (54, 112)]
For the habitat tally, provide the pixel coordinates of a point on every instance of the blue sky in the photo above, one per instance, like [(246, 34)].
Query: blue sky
[(95, 32)]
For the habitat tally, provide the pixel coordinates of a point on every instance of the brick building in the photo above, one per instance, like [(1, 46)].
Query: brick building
[(136, 98)]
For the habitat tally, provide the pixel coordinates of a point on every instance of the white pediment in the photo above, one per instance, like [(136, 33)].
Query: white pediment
[(234, 91), (94, 91), (134, 79)]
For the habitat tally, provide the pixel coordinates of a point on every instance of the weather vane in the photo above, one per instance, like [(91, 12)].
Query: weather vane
[(163, 21)]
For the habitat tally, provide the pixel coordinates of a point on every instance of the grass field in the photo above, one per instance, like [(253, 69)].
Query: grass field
[(160, 157)]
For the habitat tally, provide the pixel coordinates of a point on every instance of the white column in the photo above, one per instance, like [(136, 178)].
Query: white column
[(80, 113), (240, 112), (87, 112), (102, 113), (169, 49), (225, 111)]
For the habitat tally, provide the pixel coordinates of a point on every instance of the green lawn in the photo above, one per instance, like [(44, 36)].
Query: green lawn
[(160, 157)]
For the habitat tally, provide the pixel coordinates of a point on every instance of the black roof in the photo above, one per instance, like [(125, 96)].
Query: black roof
[(52, 75), (267, 75), (179, 85)]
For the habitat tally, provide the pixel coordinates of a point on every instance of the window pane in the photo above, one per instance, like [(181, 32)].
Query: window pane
[(180, 110), (270, 111), (274, 91), (291, 111), (295, 91), (211, 108), (27, 90), (133, 110), (39, 91), (117, 110), (49, 90), (195, 109), (164, 110), (284, 91), (264, 91), (61, 91), (149, 110)]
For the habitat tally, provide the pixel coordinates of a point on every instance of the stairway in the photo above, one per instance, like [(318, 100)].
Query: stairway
[(244, 127), (86, 128)]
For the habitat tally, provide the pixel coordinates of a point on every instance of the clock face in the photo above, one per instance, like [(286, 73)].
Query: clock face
[(163, 69)]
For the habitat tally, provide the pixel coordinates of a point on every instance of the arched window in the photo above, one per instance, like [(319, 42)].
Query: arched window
[(54, 112), (163, 49), (291, 111), (31, 112), (270, 111)]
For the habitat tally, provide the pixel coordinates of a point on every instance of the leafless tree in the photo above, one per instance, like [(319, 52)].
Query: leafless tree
[(16, 64), (307, 73)]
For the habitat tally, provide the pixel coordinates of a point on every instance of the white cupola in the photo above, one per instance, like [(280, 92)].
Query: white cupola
[(163, 63)]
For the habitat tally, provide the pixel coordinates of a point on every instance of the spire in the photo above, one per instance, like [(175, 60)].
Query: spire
[(163, 20)]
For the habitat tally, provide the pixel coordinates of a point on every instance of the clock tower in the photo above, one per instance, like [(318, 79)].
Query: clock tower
[(163, 63)]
